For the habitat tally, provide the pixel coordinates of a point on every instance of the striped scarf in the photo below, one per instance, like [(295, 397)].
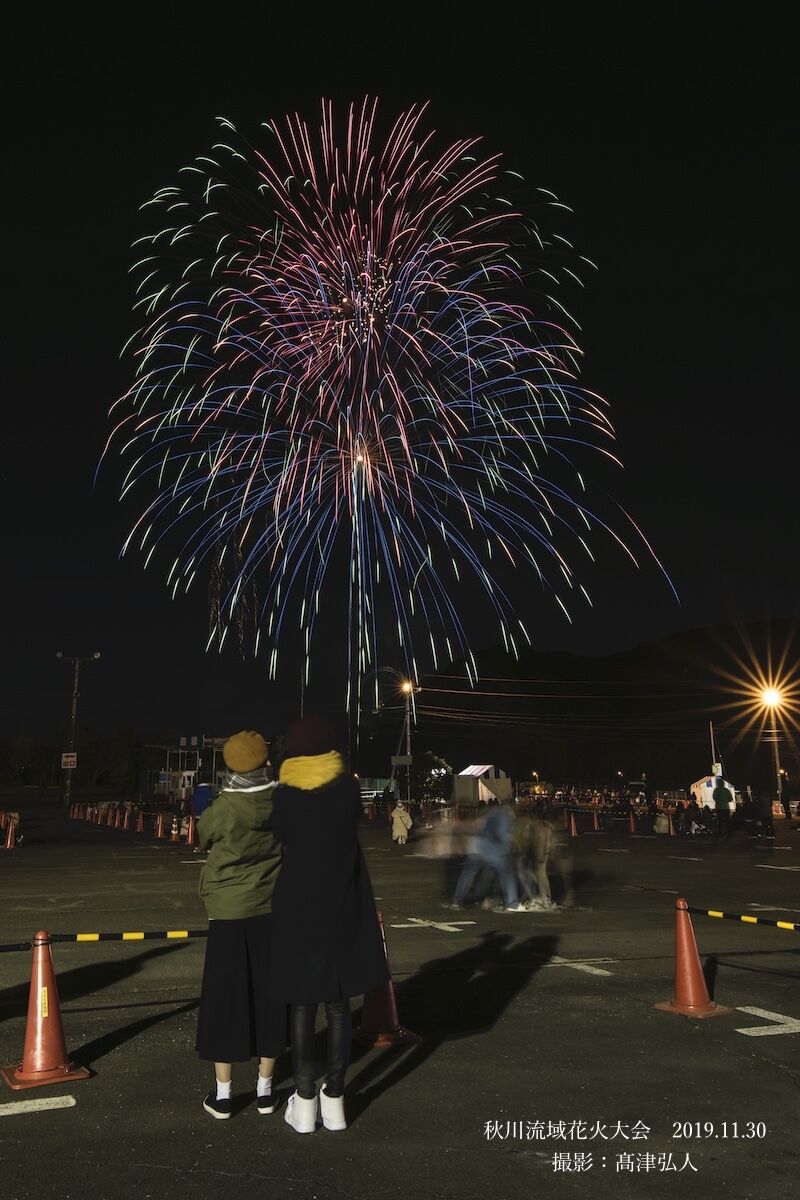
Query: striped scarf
[(248, 781)]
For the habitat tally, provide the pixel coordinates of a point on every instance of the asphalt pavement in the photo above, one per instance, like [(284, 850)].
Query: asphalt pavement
[(543, 1070)]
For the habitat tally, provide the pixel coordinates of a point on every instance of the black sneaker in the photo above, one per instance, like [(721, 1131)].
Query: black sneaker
[(267, 1104), (221, 1109)]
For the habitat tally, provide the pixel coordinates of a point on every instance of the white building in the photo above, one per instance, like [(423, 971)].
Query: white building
[(703, 791), (479, 784)]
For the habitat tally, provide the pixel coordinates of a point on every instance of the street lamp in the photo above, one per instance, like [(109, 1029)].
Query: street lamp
[(73, 719), (408, 688), (772, 699)]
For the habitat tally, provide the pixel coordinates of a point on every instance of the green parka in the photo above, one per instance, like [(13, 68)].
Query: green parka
[(244, 855)]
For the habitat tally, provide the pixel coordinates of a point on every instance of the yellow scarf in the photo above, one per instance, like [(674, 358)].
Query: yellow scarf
[(312, 771)]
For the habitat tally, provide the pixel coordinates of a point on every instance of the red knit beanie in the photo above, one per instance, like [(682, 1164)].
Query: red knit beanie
[(309, 736)]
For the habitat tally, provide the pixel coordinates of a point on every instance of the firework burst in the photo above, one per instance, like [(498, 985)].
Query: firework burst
[(338, 349)]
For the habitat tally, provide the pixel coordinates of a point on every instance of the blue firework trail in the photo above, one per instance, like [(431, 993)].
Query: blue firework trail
[(338, 350)]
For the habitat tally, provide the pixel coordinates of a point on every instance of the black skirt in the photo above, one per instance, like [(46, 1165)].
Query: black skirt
[(239, 1019)]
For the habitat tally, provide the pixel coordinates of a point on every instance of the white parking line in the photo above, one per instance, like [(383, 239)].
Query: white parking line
[(770, 867), (773, 908), (30, 1106), (782, 1024), (581, 964), (444, 926), (686, 858), (606, 850)]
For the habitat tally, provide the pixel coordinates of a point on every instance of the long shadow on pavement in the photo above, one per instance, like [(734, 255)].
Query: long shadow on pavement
[(450, 998), (90, 1052), (82, 981)]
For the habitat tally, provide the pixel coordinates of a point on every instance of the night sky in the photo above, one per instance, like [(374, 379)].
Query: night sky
[(671, 136)]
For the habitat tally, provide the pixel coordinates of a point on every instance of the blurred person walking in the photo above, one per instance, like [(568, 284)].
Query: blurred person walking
[(239, 1017), (327, 944), (490, 849), (539, 846)]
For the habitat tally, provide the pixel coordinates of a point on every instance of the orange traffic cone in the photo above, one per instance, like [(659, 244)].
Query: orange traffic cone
[(140, 822), (44, 1056), (126, 821), (573, 828), (380, 1025), (691, 997), (191, 834), (175, 831), (596, 821), (11, 833), (158, 827)]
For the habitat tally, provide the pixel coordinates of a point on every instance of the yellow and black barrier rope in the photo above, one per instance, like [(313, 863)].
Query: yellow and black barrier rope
[(127, 936), (793, 926)]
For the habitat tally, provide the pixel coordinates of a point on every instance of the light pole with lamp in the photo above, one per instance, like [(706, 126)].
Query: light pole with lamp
[(71, 758), (772, 698), (408, 688)]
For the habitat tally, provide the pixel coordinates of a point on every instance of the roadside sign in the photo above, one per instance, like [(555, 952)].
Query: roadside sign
[(69, 761), (401, 760)]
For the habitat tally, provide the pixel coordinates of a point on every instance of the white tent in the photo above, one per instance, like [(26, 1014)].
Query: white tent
[(480, 784), (703, 791)]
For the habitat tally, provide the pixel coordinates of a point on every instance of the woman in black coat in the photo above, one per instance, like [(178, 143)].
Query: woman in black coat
[(326, 941)]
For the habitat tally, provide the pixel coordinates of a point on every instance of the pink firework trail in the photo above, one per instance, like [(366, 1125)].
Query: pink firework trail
[(339, 348)]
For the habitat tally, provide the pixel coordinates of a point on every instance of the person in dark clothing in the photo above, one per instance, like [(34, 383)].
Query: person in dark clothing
[(722, 802), (327, 945), (692, 820), (785, 799), (765, 809)]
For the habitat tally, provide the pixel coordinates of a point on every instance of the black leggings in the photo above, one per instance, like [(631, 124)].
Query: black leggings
[(303, 1017)]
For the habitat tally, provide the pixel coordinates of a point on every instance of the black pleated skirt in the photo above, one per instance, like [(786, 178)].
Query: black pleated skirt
[(239, 1019)]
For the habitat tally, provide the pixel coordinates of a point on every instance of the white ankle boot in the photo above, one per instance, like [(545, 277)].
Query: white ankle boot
[(332, 1108), (301, 1114)]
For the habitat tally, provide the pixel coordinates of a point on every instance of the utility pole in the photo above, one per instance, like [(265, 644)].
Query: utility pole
[(69, 761)]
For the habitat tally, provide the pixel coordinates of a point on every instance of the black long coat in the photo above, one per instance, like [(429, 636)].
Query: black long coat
[(326, 940)]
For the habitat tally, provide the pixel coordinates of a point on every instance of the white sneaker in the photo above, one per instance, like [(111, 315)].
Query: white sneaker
[(332, 1109), (301, 1114)]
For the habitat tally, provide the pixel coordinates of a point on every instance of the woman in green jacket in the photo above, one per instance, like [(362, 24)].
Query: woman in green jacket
[(238, 1018)]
